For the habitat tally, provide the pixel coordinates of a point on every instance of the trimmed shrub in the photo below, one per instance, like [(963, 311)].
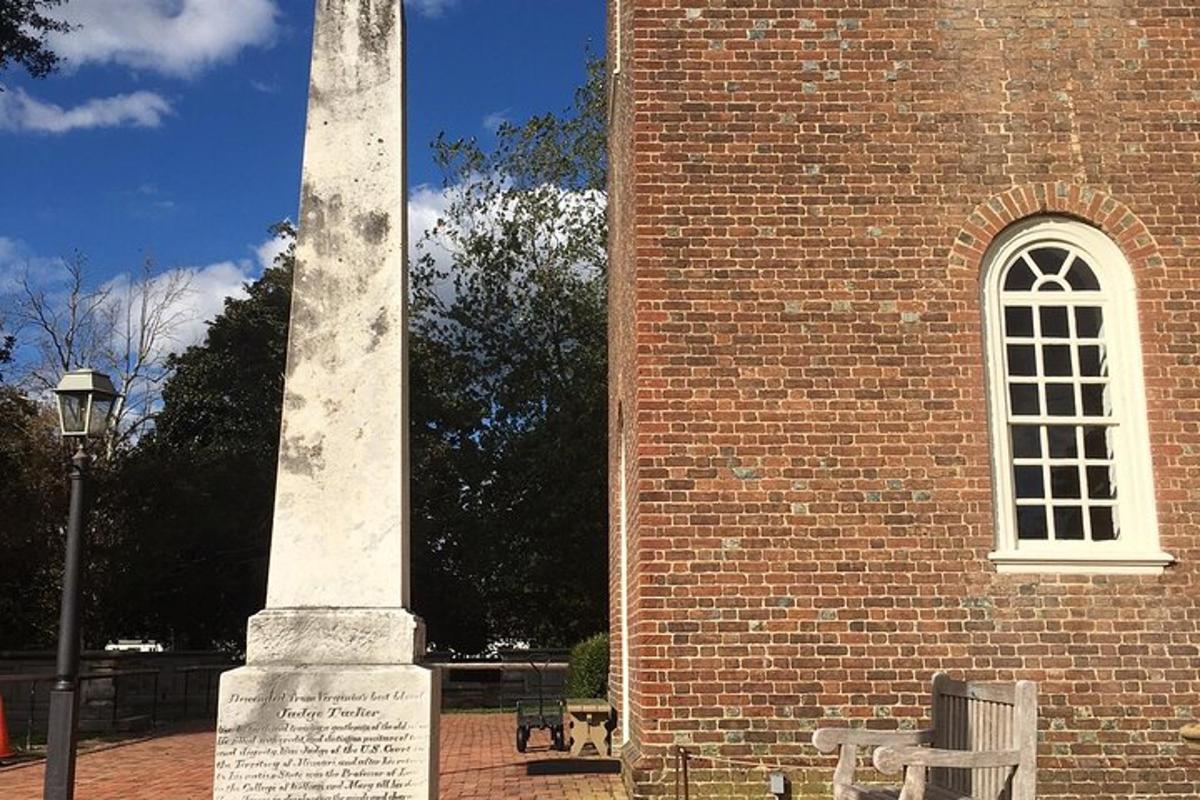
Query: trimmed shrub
[(587, 672)]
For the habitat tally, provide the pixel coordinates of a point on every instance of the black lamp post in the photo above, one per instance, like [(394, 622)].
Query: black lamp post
[(85, 403)]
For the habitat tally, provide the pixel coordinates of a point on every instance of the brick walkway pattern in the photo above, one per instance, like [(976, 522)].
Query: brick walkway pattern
[(479, 761)]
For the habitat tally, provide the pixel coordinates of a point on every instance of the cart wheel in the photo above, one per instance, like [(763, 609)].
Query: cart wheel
[(559, 741), (522, 738)]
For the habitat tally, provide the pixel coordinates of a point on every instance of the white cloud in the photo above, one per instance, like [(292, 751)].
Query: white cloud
[(431, 8), (271, 249), (197, 293), (21, 112), (207, 289), (204, 298), (18, 262), (494, 120), (8, 260), (426, 206), (172, 37)]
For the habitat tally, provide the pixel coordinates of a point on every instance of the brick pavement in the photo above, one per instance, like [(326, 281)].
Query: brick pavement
[(478, 762)]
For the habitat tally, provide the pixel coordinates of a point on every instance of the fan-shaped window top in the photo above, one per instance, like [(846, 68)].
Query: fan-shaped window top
[(1051, 269)]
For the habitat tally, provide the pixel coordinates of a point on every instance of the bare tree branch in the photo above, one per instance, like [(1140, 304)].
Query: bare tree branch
[(126, 328)]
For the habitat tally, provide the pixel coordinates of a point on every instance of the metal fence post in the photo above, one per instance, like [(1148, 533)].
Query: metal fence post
[(154, 705), (29, 722), (116, 687)]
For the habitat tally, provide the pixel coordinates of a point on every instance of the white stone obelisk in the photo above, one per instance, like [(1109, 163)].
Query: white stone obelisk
[(331, 703)]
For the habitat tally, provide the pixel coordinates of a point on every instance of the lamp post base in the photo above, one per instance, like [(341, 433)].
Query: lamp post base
[(60, 746)]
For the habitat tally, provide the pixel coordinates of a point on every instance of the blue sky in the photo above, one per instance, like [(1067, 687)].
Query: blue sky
[(176, 129)]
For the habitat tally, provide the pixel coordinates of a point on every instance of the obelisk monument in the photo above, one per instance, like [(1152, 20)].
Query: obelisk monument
[(331, 704)]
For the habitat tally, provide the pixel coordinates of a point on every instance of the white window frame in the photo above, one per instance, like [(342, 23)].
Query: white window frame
[(1136, 550)]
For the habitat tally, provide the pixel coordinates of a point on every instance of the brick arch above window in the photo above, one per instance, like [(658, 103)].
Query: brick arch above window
[(1093, 206)]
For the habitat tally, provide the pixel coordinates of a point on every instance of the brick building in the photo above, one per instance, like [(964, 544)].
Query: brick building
[(905, 333)]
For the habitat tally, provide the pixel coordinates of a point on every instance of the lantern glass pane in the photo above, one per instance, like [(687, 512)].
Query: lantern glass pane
[(71, 410), (101, 409)]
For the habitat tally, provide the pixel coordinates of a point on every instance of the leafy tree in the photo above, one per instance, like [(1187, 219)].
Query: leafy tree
[(196, 495), (507, 382), (195, 498), (32, 507), (30, 493), (510, 291), (24, 27), (7, 343), (587, 668)]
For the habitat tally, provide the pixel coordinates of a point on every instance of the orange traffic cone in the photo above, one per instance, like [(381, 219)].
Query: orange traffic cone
[(6, 750)]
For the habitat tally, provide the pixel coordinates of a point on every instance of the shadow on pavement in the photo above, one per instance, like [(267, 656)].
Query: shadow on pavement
[(575, 766)]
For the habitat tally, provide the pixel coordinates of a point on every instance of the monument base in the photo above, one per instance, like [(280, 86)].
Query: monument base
[(318, 726), (327, 733), (377, 636)]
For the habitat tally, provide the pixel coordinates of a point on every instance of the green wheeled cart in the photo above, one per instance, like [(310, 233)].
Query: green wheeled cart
[(540, 713)]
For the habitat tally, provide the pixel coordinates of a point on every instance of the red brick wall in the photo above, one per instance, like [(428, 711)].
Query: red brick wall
[(797, 348)]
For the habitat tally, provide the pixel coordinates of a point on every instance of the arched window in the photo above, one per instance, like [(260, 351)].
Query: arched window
[(1074, 490)]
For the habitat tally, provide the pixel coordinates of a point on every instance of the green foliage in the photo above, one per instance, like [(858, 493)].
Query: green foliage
[(194, 501), (23, 30), (508, 411), (510, 296), (7, 343), (32, 508), (587, 671)]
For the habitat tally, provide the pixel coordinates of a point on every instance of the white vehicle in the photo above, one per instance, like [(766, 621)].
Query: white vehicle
[(134, 646)]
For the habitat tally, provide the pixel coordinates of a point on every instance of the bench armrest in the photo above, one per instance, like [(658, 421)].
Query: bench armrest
[(829, 739), (890, 759)]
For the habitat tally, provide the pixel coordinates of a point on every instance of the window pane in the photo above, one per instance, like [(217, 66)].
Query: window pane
[(1089, 322), (1093, 363), (98, 422), (1100, 483), (71, 407), (1029, 482), (1022, 359), (1024, 398), (1052, 285), (1020, 277), (1103, 529), (1081, 277), (1057, 358), (1095, 400), (1096, 443), (1068, 522), (1054, 323), (1031, 523), (1064, 483), (1049, 259), (1062, 441), (1027, 441), (1060, 400), (1018, 321)]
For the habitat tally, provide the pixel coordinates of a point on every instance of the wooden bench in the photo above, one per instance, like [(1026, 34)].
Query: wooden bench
[(982, 746), (588, 722)]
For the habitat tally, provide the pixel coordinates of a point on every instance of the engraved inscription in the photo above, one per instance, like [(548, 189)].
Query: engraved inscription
[(300, 745)]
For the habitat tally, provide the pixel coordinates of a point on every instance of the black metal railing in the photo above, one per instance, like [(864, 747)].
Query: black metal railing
[(135, 698)]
